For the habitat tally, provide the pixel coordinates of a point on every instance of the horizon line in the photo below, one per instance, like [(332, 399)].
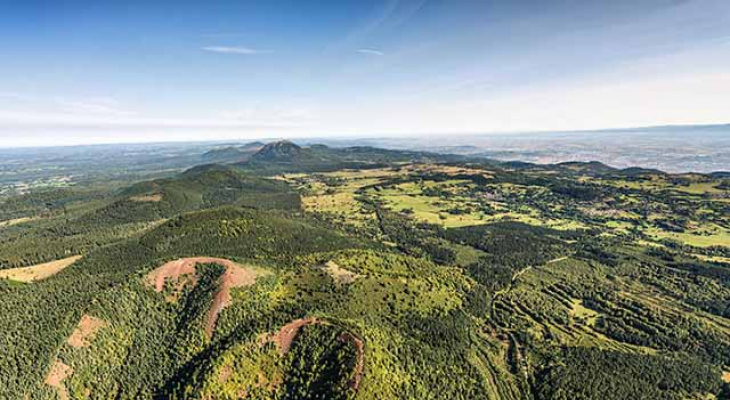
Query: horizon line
[(374, 136)]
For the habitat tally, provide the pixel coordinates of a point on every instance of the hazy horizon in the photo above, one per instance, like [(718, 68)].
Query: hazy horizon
[(242, 139), (674, 149), (82, 72)]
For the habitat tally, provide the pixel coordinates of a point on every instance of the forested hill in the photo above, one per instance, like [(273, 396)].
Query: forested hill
[(310, 272), (74, 222), (285, 156), (232, 154)]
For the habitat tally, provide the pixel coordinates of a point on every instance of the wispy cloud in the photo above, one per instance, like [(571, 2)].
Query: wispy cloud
[(234, 50), (65, 105), (371, 52), (98, 106), (264, 114), (389, 15)]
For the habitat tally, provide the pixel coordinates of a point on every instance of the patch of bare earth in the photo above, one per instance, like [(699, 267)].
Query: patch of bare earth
[(269, 384), (150, 198), (58, 373), (85, 331), (347, 337), (16, 221), (726, 376), (286, 335), (182, 272), (235, 276), (225, 373), (339, 274), (179, 272), (601, 212), (38, 272)]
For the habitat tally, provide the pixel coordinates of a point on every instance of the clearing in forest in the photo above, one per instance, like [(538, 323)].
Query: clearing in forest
[(706, 235), (583, 313), (339, 274), (85, 331), (151, 198), (726, 376), (38, 272), (182, 272), (58, 373), (16, 221)]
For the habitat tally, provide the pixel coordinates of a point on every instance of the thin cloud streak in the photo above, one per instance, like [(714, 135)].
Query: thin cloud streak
[(234, 50), (371, 52), (104, 106)]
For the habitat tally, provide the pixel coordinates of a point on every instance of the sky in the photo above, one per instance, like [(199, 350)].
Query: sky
[(76, 71)]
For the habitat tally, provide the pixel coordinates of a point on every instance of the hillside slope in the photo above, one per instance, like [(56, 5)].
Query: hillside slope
[(401, 280), (66, 232), (285, 156)]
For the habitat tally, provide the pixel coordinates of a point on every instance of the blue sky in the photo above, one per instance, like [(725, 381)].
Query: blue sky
[(108, 71)]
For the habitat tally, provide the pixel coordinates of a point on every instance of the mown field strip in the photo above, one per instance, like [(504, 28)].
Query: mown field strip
[(37, 272)]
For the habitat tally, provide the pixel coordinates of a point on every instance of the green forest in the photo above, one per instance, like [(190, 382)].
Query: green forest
[(361, 273)]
